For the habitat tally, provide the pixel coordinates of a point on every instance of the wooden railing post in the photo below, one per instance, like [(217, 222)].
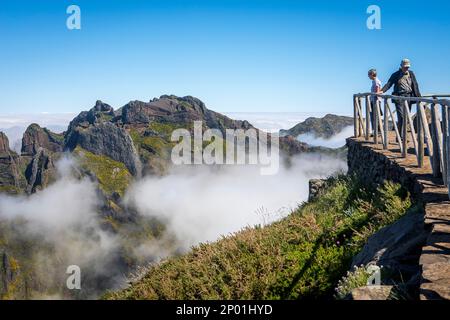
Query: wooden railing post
[(355, 118), (380, 121), (436, 135), (405, 129), (386, 125), (445, 135), (362, 123), (398, 134), (412, 130), (376, 120), (448, 147), (428, 139), (368, 118), (420, 136)]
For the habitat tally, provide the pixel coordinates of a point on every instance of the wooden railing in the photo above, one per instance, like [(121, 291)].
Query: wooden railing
[(429, 126)]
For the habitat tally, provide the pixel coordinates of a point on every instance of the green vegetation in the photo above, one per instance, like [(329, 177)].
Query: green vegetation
[(113, 176), (154, 144), (302, 256), (357, 278), (104, 117), (56, 137), (28, 261), (165, 129), (9, 189), (151, 145)]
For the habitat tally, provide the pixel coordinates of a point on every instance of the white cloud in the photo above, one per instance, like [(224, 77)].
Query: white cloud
[(65, 218), (335, 141), (203, 203)]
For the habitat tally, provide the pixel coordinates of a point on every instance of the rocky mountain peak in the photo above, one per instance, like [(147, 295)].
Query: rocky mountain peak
[(36, 137), (106, 139), (4, 143), (168, 108), (102, 107)]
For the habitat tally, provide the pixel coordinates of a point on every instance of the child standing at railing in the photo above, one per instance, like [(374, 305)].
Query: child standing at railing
[(376, 88)]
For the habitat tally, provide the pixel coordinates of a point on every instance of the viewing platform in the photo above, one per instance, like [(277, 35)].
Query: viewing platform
[(417, 157)]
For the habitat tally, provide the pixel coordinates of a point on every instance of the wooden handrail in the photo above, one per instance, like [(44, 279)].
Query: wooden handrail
[(413, 99), (434, 134)]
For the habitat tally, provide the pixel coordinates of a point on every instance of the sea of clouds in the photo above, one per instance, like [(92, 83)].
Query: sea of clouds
[(202, 203)]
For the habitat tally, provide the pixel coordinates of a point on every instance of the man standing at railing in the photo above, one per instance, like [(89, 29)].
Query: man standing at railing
[(405, 85)]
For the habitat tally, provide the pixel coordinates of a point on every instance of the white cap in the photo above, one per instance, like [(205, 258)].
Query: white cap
[(406, 63)]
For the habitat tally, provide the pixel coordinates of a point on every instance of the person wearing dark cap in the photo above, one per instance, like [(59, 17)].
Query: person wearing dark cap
[(405, 85)]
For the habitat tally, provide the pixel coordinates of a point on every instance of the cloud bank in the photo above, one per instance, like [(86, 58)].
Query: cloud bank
[(336, 141), (203, 203)]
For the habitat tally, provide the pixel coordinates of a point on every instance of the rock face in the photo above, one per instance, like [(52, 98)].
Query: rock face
[(6, 274), (325, 127), (34, 169), (4, 143), (397, 247), (40, 171), (36, 137), (316, 186), (10, 178), (109, 140), (100, 113), (173, 109)]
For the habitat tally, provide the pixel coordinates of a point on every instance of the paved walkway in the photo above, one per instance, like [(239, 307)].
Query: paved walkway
[(435, 257)]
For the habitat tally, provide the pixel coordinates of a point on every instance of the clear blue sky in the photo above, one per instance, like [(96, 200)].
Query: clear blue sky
[(235, 55)]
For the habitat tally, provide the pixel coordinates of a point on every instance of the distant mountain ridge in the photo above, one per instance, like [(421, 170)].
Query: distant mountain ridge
[(325, 127), (137, 135)]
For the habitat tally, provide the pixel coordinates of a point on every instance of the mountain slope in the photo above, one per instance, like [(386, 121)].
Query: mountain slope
[(300, 257)]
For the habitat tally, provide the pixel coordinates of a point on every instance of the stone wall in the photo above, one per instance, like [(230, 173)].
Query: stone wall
[(374, 167)]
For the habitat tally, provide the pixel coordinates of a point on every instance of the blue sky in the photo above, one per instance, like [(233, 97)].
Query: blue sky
[(245, 56)]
